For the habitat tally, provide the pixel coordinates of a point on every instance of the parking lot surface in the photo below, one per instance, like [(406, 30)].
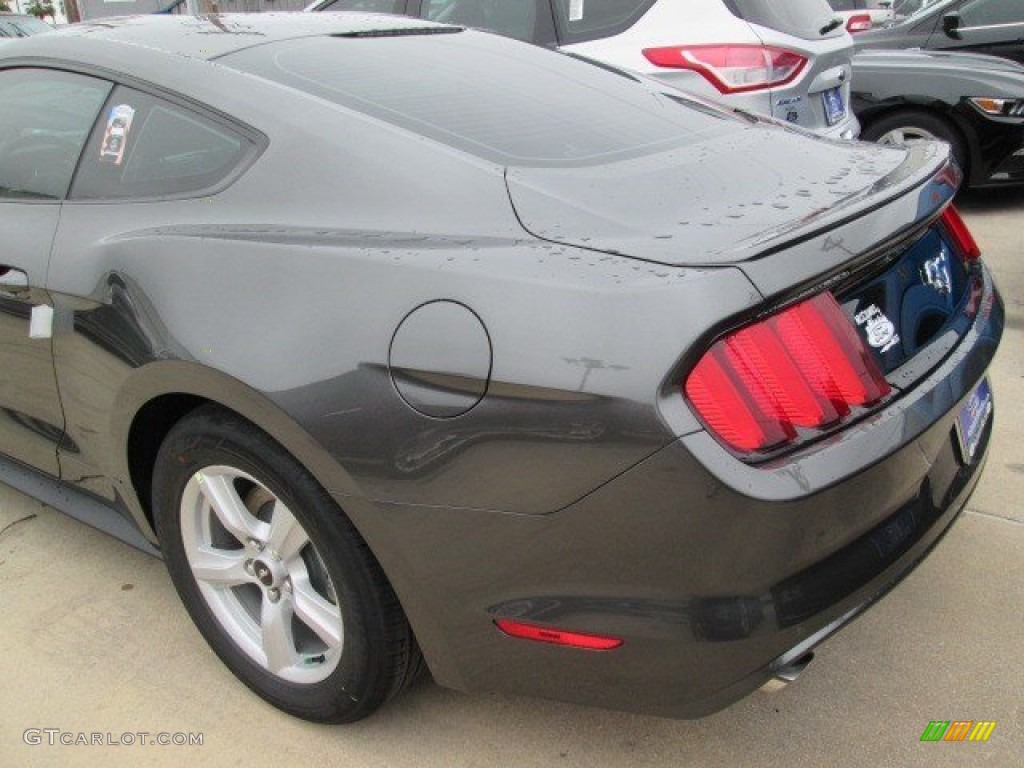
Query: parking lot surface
[(94, 641)]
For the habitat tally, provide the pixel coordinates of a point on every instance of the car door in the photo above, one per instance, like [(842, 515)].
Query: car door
[(147, 161), (995, 27), (45, 118)]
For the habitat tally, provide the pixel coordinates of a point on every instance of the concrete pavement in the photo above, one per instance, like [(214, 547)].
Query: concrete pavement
[(94, 640)]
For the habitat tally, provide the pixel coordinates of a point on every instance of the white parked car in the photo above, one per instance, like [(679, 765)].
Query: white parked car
[(790, 60)]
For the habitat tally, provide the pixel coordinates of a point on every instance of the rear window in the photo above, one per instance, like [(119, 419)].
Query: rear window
[(804, 18), (508, 102)]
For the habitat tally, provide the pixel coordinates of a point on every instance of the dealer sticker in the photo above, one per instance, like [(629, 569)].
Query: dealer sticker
[(119, 123)]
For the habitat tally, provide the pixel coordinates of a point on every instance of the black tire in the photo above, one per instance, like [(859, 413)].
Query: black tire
[(919, 120), (375, 657)]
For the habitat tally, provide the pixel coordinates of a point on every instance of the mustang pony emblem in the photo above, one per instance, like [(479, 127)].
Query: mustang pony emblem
[(935, 272)]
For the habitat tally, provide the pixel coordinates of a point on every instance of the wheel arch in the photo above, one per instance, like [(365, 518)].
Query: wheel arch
[(160, 394), (931, 106)]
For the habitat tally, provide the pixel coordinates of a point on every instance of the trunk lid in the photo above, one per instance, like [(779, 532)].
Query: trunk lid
[(718, 201)]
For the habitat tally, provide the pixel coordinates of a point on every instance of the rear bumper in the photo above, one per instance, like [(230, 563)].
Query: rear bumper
[(713, 576), (847, 129)]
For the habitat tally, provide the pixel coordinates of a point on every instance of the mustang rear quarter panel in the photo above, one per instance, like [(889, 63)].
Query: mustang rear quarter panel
[(706, 584)]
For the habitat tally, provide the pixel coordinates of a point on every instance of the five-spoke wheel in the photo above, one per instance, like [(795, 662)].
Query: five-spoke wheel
[(274, 575)]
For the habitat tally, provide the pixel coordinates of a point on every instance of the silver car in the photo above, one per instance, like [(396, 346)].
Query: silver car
[(789, 60)]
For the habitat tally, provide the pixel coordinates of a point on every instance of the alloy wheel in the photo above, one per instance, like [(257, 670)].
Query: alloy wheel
[(260, 575)]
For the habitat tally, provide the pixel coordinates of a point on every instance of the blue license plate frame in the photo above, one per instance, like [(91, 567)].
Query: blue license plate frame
[(971, 419), (835, 109)]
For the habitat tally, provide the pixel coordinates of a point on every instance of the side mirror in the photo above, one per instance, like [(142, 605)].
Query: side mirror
[(951, 25)]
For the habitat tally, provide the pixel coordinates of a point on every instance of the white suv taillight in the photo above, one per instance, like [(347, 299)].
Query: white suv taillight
[(732, 68)]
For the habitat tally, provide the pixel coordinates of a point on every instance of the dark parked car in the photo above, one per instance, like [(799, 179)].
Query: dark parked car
[(974, 102), (994, 27), (861, 15), (402, 342), (21, 25)]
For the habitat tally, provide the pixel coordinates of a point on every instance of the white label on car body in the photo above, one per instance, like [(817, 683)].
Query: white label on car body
[(40, 323), (575, 10)]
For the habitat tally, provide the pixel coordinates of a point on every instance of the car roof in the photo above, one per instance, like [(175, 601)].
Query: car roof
[(208, 37)]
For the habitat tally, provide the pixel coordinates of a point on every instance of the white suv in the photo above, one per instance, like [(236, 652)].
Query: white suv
[(786, 58)]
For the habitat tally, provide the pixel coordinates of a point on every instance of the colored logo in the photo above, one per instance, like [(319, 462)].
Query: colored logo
[(958, 730)]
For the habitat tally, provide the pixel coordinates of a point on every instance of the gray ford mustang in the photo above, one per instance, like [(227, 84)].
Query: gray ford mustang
[(405, 344)]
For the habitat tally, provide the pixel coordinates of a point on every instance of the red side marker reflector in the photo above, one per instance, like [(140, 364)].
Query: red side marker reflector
[(557, 636)]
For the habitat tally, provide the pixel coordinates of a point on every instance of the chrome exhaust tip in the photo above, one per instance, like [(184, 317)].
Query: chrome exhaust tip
[(785, 674)]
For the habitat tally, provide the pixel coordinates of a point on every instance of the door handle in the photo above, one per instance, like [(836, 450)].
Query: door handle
[(13, 281)]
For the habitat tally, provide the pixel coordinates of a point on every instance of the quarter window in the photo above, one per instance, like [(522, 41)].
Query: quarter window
[(144, 146), (45, 118), (580, 20)]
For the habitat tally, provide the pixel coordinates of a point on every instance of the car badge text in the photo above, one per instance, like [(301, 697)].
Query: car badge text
[(879, 330), (935, 272)]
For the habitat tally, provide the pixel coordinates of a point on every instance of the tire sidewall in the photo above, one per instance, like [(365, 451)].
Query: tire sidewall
[(194, 445), (938, 126)]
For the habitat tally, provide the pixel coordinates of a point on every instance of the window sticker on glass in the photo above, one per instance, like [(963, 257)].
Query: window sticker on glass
[(575, 10), (119, 122)]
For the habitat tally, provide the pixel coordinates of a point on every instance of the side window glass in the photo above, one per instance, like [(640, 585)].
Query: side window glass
[(580, 20), (981, 13), (366, 6), (45, 117), (143, 146), (511, 18)]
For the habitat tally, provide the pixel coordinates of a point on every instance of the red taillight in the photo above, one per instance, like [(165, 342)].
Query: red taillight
[(804, 367), (732, 68), (961, 235), (860, 22), (557, 636)]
